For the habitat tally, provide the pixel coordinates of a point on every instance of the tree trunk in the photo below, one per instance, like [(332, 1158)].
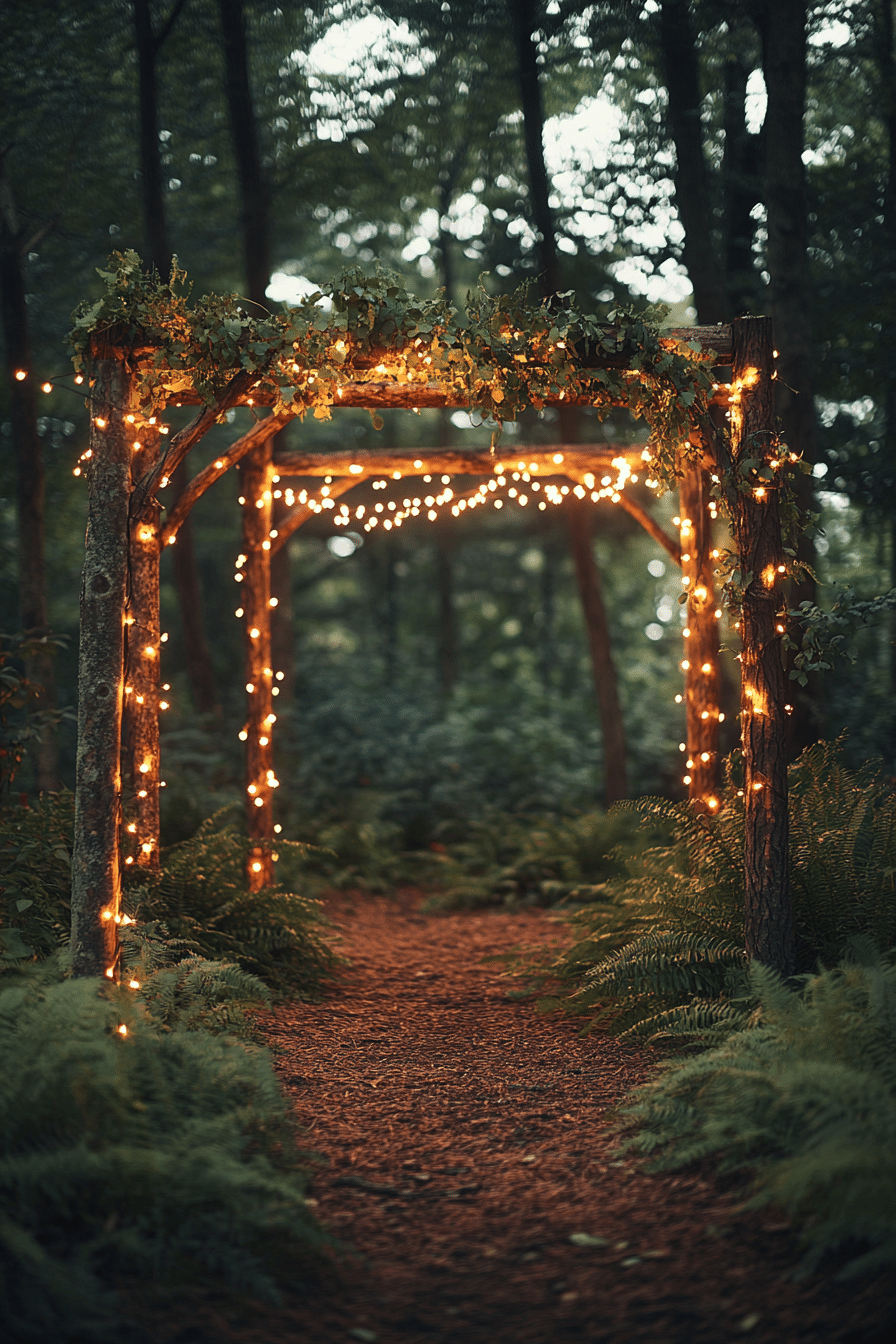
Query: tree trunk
[(283, 650), (701, 645), (198, 659), (524, 24), (783, 31), (152, 191), (885, 47), (692, 194), (740, 180), (579, 519), (253, 189), (448, 641), (197, 655), (589, 580), (256, 471), (255, 595), (29, 473), (768, 918), (96, 876), (143, 652)]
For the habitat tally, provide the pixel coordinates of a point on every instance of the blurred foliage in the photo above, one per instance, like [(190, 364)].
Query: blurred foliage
[(804, 1097), (20, 723)]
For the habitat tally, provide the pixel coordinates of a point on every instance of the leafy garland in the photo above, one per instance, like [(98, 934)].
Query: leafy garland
[(500, 357)]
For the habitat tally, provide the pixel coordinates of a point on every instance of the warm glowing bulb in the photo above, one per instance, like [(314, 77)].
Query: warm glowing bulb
[(21, 375)]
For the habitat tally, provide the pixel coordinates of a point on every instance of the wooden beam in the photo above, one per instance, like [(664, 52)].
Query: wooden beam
[(265, 429), (235, 394), (460, 462)]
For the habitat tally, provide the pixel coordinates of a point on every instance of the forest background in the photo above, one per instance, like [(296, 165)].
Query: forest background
[(628, 151)]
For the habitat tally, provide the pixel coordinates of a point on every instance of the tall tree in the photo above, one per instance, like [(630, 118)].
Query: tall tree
[(149, 43), (523, 19), (16, 241)]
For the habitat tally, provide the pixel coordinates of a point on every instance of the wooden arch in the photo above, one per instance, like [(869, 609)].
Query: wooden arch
[(119, 683)]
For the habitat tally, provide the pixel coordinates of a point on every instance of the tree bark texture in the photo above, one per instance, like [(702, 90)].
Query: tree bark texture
[(579, 521), (255, 596), (701, 644), (692, 195), (143, 650), (768, 918), (96, 876), (29, 469)]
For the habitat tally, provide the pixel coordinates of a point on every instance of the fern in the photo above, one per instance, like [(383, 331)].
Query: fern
[(201, 898), (669, 934), (167, 1154), (805, 1098)]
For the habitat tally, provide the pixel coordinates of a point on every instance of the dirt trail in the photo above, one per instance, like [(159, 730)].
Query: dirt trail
[(467, 1140)]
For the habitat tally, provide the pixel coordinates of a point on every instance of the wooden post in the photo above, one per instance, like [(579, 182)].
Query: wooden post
[(140, 728), (256, 473), (768, 919), (96, 876), (701, 644)]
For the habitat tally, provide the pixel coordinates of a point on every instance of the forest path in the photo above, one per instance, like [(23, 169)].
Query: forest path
[(466, 1138)]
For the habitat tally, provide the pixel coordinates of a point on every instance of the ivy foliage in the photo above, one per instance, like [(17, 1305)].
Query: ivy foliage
[(805, 1098), (829, 634), (501, 356)]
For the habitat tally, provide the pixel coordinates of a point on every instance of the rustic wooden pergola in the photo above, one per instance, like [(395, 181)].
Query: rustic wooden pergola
[(119, 676)]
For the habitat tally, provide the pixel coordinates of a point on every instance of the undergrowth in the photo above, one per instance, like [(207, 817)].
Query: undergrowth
[(162, 1152), (198, 902), (805, 1099), (512, 860), (661, 951)]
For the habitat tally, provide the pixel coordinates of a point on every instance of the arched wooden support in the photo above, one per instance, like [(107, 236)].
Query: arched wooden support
[(96, 876), (203, 479), (140, 727), (255, 595), (768, 916), (701, 645)]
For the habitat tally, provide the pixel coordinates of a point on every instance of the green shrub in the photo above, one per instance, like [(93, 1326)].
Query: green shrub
[(805, 1098), (532, 860), (165, 1154), (662, 950), (199, 899)]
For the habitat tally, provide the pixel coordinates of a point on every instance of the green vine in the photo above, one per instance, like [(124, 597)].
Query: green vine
[(502, 355)]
